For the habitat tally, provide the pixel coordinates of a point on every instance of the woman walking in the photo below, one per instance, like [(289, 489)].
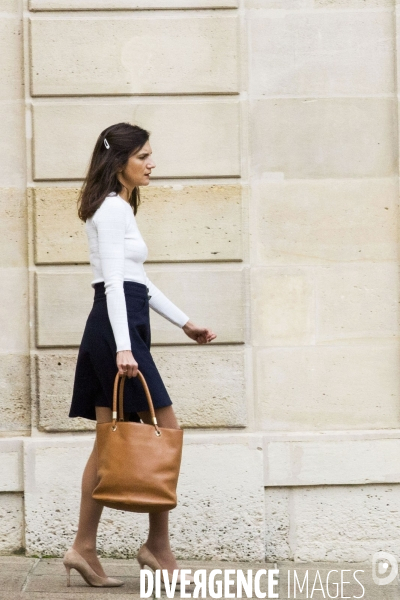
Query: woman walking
[(117, 333)]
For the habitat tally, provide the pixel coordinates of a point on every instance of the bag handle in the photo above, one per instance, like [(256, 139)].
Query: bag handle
[(121, 378)]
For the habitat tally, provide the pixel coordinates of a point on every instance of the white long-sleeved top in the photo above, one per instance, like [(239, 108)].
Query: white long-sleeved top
[(117, 253)]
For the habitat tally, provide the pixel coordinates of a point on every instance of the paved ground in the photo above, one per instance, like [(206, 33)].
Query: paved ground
[(24, 578)]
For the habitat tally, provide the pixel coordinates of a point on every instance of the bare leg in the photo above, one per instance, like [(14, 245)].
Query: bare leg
[(90, 510), (158, 538)]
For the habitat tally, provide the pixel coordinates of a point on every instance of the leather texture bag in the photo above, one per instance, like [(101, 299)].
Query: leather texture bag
[(138, 464)]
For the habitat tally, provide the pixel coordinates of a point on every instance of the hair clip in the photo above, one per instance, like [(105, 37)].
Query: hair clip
[(107, 145)]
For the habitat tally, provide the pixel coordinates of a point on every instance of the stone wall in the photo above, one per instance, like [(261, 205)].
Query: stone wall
[(272, 218)]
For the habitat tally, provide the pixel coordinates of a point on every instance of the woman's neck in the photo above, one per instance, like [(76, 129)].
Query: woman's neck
[(124, 194)]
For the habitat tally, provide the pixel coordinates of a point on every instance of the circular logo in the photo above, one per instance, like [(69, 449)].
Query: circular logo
[(384, 568)]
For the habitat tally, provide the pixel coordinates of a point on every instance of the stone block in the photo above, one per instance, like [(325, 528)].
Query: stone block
[(60, 235), (52, 477), (208, 522), (396, 10), (189, 55), (39, 5), (323, 137), (179, 128), (11, 63), (212, 297), (353, 4), (192, 222), (338, 461), (178, 222), (206, 385), (14, 310), (296, 55), (328, 387), (55, 379), (316, 4), (64, 300), (332, 523), (283, 306), (12, 140), (277, 524), (13, 224), (325, 305), (11, 456), (12, 145), (11, 523), (357, 303), (63, 303), (10, 6), (221, 514), (319, 222), (15, 406), (345, 523)]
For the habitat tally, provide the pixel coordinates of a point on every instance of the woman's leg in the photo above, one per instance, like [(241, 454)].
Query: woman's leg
[(158, 538), (90, 510)]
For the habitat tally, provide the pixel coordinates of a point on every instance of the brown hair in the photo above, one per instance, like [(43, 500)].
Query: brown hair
[(113, 148)]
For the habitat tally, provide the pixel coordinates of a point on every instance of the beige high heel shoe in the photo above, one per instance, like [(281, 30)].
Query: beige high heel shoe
[(73, 560), (147, 558)]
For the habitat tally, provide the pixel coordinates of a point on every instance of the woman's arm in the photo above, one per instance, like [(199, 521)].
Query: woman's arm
[(201, 335), (164, 306), (110, 221)]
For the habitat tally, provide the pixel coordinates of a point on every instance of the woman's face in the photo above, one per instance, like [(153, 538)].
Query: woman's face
[(138, 168)]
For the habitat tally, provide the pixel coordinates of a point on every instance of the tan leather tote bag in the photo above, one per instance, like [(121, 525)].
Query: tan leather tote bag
[(138, 464)]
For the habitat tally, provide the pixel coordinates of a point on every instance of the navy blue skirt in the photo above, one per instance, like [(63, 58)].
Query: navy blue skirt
[(96, 364)]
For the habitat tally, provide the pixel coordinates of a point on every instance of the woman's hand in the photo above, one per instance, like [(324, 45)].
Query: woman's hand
[(201, 335), (126, 364)]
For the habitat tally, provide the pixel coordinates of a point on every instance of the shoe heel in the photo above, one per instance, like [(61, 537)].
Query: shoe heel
[(68, 569), (142, 563), (73, 560)]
